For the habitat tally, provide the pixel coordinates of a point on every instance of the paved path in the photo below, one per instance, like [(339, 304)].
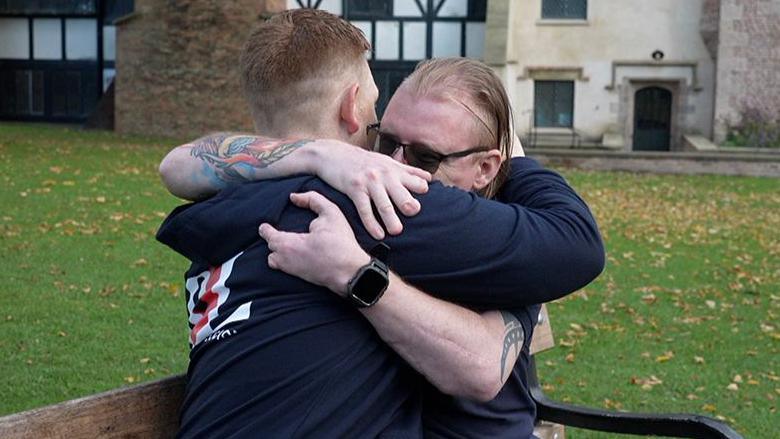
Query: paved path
[(723, 163)]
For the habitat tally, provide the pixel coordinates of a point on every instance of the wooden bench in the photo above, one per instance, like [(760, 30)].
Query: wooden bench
[(150, 410)]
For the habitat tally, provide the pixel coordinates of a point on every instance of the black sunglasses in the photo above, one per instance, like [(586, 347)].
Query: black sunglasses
[(415, 154)]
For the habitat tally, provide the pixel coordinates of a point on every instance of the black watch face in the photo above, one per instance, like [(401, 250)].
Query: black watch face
[(370, 286)]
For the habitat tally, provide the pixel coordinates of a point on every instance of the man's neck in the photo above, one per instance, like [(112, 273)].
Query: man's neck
[(296, 132)]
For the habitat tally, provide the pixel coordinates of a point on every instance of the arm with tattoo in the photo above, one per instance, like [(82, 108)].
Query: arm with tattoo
[(237, 158), (200, 169), (460, 351)]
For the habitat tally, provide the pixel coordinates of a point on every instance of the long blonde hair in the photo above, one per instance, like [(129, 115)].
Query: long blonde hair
[(475, 86)]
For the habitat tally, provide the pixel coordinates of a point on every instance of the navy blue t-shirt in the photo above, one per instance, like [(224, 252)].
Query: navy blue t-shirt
[(276, 356)]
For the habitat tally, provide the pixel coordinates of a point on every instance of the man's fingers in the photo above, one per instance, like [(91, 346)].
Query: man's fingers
[(268, 233), (415, 184), (280, 245), (406, 203), (385, 208), (425, 175), (366, 213), (313, 201), (323, 207), (277, 240), (273, 260)]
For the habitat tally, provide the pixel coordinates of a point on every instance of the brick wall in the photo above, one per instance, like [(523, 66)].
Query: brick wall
[(748, 73), (177, 66)]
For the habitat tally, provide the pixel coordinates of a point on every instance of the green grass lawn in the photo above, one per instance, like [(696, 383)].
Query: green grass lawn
[(684, 318)]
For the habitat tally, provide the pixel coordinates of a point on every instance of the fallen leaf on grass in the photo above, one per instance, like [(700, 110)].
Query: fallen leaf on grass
[(771, 376), (649, 299), (665, 357), (646, 383)]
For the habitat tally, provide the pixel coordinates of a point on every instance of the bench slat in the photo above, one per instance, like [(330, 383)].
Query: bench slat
[(149, 410)]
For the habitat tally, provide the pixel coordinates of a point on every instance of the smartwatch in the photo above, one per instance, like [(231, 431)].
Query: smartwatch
[(369, 283)]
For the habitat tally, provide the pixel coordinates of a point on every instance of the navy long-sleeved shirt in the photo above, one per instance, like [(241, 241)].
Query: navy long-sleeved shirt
[(274, 354)]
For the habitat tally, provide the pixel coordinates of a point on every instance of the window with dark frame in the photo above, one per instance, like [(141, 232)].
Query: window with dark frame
[(51, 70), (554, 104), (565, 9)]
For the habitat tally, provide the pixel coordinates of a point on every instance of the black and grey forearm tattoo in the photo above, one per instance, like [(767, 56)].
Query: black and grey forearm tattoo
[(514, 337)]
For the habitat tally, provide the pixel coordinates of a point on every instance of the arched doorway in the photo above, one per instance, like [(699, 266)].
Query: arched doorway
[(652, 119)]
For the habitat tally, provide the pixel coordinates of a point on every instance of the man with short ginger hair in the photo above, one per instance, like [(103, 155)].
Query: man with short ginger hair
[(192, 231), (326, 94), (305, 60)]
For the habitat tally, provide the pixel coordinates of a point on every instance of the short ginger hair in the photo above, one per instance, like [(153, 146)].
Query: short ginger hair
[(291, 62), (475, 86)]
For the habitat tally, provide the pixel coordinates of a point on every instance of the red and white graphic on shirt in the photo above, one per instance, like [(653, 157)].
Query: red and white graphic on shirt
[(207, 291)]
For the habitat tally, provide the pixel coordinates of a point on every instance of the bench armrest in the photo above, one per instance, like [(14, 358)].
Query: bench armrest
[(644, 424)]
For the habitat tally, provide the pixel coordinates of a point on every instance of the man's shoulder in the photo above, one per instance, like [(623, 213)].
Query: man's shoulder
[(265, 188)]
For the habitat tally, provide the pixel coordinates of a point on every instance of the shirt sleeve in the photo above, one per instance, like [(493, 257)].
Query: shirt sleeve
[(538, 245)]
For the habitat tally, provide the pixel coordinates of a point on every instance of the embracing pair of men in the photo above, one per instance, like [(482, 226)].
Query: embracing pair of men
[(367, 279)]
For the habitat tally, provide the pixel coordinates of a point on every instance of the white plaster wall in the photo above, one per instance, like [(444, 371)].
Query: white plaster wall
[(625, 30)]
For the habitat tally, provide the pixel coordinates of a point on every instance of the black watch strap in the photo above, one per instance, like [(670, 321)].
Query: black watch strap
[(381, 252)]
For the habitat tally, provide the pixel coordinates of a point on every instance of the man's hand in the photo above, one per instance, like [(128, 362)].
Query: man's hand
[(328, 255), (367, 177)]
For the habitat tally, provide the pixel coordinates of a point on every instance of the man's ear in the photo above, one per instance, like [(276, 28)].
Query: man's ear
[(489, 164), (348, 110)]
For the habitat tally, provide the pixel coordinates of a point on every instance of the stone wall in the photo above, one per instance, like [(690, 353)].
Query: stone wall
[(710, 21), (748, 63), (177, 66)]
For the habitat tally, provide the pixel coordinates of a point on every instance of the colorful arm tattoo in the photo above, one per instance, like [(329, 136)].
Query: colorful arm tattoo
[(514, 337), (235, 158)]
